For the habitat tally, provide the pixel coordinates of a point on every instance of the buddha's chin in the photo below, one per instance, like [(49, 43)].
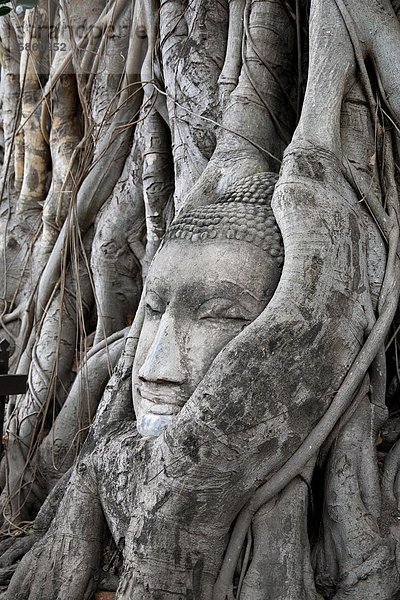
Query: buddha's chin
[(151, 425)]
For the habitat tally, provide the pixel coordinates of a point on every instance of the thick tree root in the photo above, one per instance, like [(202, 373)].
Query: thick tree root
[(17, 550), (5, 575), (281, 552), (64, 563)]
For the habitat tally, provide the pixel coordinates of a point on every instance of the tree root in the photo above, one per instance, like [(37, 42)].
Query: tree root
[(315, 439), (110, 155), (19, 548), (6, 574)]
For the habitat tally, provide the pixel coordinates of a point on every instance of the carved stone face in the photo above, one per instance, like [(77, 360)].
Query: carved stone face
[(199, 296)]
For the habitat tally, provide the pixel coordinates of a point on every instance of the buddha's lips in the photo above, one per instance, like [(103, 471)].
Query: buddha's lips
[(162, 397)]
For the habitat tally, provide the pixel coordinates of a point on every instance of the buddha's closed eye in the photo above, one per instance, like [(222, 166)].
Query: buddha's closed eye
[(223, 309), (154, 306)]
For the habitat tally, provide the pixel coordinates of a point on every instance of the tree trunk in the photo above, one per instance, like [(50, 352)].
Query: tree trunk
[(134, 128)]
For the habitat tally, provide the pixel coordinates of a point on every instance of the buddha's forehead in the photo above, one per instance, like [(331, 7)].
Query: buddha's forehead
[(216, 266)]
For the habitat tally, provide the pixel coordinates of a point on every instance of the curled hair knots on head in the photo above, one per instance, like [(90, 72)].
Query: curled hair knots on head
[(242, 213)]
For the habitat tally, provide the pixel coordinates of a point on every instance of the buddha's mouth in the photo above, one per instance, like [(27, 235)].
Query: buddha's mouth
[(165, 409), (161, 400)]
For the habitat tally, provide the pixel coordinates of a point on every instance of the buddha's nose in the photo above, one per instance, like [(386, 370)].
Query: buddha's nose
[(164, 360)]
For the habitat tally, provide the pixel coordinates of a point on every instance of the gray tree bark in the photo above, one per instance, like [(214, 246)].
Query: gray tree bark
[(276, 479)]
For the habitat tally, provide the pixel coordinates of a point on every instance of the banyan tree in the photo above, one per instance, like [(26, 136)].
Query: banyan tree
[(200, 277)]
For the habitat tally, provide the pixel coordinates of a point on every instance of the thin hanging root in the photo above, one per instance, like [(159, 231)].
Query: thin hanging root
[(246, 561), (45, 117), (19, 157)]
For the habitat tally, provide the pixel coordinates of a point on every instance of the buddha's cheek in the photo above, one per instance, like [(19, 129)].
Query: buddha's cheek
[(146, 339), (147, 336)]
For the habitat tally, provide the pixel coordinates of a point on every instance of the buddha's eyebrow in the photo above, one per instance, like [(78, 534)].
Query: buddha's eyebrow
[(156, 285), (152, 292), (238, 291)]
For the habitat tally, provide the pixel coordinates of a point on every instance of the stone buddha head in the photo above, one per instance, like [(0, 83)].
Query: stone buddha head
[(216, 271)]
